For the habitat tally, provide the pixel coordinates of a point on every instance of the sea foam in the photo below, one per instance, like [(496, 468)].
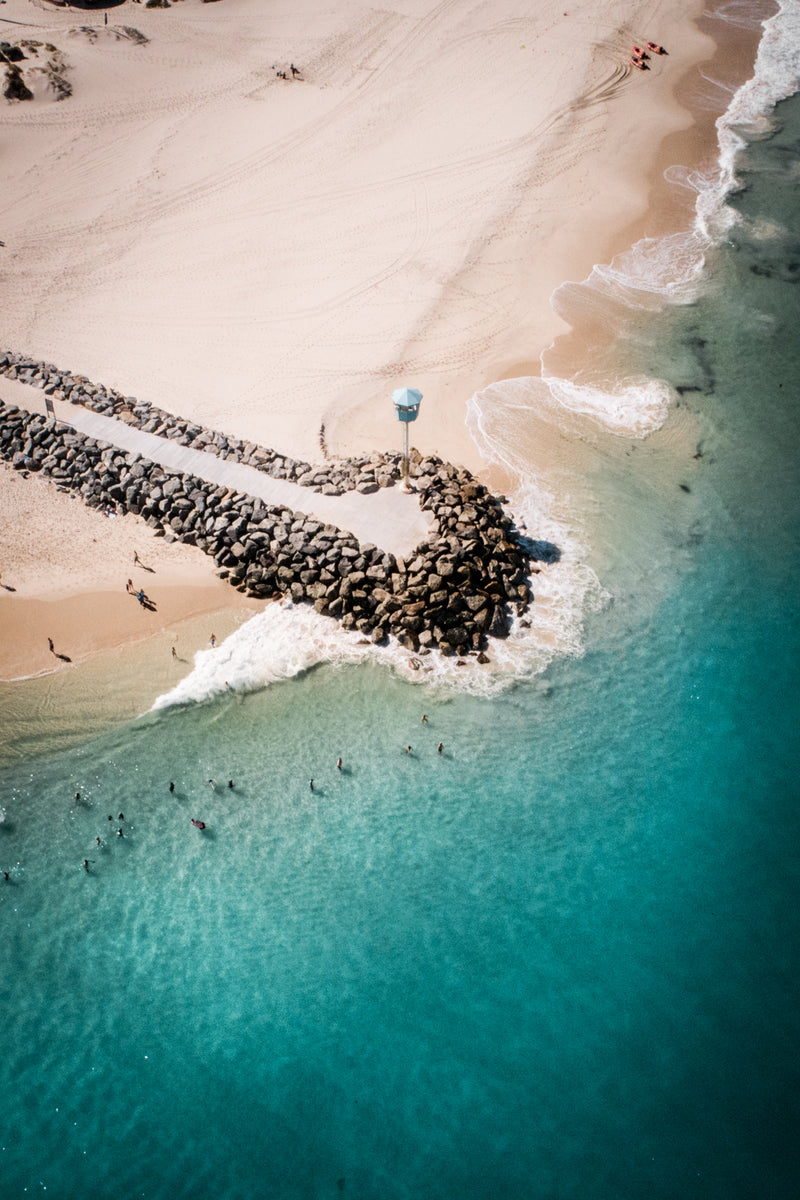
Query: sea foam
[(285, 640)]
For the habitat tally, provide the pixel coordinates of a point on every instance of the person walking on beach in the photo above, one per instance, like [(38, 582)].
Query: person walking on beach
[(213, 640), (174, 652), (137, 562), (129, 586)]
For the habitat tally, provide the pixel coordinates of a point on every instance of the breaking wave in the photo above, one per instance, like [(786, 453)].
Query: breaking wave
[(285, 640)]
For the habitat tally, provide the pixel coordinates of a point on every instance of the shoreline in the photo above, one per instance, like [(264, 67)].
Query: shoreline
[(668, 209), (650, 193), (85, 624), (69, 572)]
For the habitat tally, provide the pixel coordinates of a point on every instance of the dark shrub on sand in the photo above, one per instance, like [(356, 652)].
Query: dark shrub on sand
[(16, 88)]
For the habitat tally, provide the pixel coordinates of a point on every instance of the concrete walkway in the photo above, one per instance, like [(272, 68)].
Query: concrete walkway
[(389, 518)]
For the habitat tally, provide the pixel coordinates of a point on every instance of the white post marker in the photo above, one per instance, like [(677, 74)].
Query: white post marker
[(406, 406)]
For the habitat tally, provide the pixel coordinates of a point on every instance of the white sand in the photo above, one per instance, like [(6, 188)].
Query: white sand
[(263, 256)]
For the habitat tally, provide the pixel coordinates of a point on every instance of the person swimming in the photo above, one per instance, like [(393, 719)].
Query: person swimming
[(198, 824)]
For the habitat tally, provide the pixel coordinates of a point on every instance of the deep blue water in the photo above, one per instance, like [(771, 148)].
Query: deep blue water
[(558, 960)]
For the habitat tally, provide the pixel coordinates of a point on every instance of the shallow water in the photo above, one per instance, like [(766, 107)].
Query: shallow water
[(557, 959)]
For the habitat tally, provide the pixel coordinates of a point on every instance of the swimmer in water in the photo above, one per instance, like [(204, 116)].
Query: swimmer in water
[(440, 747), (198, 824), (339, 764), (171, 786)]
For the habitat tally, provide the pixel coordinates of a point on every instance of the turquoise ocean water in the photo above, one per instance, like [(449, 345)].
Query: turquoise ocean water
[(558, 959)]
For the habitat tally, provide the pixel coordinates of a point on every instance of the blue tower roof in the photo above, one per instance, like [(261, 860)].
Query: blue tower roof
[(406, 402)]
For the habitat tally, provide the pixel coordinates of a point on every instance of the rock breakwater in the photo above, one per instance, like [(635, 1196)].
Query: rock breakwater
[(459, 588), (331, 479)]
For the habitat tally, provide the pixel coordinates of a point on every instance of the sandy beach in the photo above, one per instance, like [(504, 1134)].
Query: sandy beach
[(271, 256), (68, 566)]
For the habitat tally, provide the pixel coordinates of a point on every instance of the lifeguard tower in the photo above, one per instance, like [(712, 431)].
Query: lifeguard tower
[(406, 406)]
